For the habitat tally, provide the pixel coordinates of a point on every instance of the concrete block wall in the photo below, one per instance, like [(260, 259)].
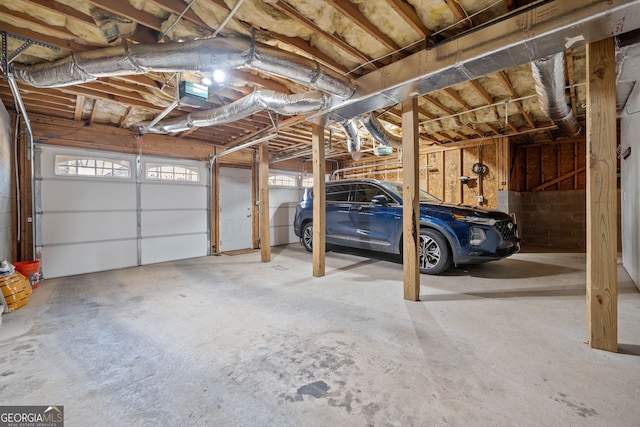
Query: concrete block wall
[(548, 218)]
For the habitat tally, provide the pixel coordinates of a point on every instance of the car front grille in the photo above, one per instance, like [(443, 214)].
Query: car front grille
[(507, 229)]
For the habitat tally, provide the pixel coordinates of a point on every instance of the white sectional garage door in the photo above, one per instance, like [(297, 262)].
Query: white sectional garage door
[(99, 211), (173, 212)]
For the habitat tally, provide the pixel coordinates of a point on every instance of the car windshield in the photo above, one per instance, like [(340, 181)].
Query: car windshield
[(396, 188)]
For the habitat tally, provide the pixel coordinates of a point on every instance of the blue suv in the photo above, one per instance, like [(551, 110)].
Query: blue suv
[(367, 214)]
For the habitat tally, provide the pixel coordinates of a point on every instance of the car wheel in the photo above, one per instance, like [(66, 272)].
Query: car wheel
[(307, 236), (435, 256)]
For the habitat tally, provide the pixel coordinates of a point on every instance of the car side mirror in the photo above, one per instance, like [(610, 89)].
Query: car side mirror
[(380, 199)]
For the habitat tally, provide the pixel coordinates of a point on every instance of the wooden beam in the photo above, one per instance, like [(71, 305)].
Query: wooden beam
[(558, 179), (215, 204), (177, 7), (602, 281), (319, 201), (125, 9), (62, 9), (506, 83), (337, 41), (79, 104), (409, 14), (263, 203), (458, 11), (94, 111), (66, 44), (349, 10), (411, 199), (312, 51)]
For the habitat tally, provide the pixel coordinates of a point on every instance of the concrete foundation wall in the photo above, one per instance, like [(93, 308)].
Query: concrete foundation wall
[(630, 180), (548, 218), (6, 195)]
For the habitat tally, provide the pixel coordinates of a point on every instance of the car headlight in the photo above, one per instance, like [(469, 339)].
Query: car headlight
[(477, 236), (475, 219)]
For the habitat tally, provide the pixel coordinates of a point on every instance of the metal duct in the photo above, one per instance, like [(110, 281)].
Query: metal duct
[(353, 138), (379, 133), (534, 32), (548, 74), (299, 103), (196, 55)]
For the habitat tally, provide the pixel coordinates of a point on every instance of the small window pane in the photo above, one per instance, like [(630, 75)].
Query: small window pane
[(283, 180), (75, 166), (164, 172), (307, 182)]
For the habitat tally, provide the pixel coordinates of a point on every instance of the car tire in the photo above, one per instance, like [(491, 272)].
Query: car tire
[(306, 236), (435, 255)]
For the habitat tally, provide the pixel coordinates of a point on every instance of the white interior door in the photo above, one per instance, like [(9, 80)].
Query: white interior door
[(235, 209)]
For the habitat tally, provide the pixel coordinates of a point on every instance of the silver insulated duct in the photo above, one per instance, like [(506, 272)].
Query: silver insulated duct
[(353, 138), (548, 74), (257, 101), (379, 133), (196, 55)]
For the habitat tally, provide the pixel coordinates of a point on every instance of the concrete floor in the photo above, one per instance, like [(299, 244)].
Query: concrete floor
[(229, 341)]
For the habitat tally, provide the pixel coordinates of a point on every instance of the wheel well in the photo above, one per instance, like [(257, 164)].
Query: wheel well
[(426, 227), (304, 224)]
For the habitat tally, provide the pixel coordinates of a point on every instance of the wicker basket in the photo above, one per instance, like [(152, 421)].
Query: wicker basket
[(16, 290)]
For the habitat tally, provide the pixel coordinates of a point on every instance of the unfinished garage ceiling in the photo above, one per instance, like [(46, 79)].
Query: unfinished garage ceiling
[(348, 39)]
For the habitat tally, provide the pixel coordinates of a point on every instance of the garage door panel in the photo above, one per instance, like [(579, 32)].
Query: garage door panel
[(85, 195), (160, 223), (282, 211), (91, 219), (161, 249), (71, 259), (73, 227), (171, 196)]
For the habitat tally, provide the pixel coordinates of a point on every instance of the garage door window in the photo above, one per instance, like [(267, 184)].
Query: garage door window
[(165, 172), (85, 166), (283, 180)]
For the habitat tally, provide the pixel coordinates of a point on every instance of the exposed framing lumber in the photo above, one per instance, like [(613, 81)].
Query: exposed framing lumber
[(459, 12), (125, 9), (411, 199), (602, 287), (349, 10), (559, 179), (319, 201), (177, 7), (263, 189), (292, 13), (409, 14), (78, 110)]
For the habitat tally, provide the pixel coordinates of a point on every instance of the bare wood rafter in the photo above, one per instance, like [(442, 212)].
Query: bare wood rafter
[(125, 9), (349, 10)]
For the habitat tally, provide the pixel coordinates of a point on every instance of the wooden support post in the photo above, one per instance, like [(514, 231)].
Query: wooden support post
[(602, 292), (215, 206), (411, 199), (263, 185), (319, 200)]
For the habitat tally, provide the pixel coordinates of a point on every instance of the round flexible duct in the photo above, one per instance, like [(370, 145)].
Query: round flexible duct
[(548, 74), (196, 55), (379, 133), (259, 100), (353, 138)]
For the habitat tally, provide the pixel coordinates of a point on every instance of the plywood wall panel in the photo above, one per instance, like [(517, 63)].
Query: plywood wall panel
[(491, 179), (452, 191)]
